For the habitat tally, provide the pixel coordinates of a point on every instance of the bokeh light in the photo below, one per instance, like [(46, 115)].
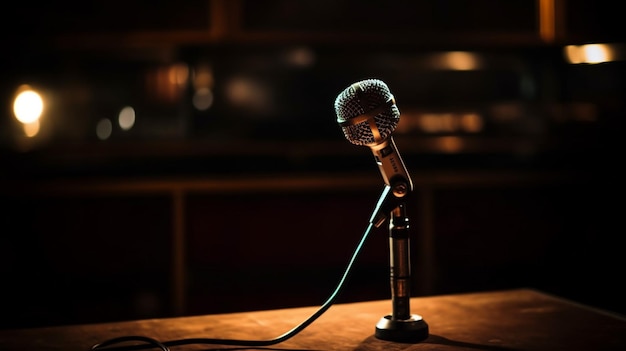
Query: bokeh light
[(126, 118), (104, 128), (28, 105)]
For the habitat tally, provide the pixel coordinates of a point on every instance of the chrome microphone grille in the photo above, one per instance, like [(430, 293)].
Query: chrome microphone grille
[(366, 112)]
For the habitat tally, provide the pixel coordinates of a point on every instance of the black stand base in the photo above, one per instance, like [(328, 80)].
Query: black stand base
[(410, 330)]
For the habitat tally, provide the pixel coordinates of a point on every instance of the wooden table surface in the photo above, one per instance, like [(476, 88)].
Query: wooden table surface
[(519, 319)]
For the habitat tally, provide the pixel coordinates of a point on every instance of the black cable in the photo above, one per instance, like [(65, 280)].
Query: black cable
[(164, 346), (149, 341)]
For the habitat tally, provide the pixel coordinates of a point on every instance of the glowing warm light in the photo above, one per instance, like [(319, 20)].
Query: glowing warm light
[(203, 99), (590, 54), (301, 57), (104, 128), (248, 93), (168, 82), (573, 54), (31, 129), (460, 61), (471, 122), (597, 53), (126, 118), (455, 60), (203, 76), (28, 106), (450, 144), (178, 74), (429, 122), (547, 20), (203, 87)]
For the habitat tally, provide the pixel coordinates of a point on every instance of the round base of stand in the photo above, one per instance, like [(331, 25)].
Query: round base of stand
[(410, 330)]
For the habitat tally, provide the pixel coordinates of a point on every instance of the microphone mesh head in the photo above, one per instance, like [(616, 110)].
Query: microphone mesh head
[(353, 102)]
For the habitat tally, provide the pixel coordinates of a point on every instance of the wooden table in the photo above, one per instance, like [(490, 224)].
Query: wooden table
[(519, 319)]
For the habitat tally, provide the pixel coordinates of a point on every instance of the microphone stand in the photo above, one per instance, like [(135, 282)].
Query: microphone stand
[(400, 325)]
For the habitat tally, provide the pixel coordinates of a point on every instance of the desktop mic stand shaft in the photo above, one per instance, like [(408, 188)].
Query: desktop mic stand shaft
[(400, 325)]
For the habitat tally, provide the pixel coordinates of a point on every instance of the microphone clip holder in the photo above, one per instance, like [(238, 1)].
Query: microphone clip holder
[(400, 325)]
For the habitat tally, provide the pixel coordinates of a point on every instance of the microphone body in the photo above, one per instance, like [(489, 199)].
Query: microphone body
[(392, 166)]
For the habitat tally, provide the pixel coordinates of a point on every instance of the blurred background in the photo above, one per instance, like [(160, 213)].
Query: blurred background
[(168, 158)]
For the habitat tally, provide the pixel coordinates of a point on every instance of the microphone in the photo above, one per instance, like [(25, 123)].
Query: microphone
[(367, 114)]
